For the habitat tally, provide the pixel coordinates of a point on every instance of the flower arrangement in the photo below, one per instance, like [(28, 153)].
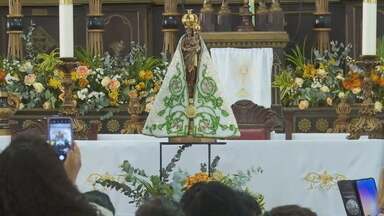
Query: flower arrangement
[(99, 81), (139, 186), (324, 79)]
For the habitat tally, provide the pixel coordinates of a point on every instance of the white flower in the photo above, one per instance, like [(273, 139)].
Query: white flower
[(341, 95), (11, 79), (82, 94), (299, 82), (324, 89), (38, 87), (340, 76), (27, 67), (356, 90), (105, 82), (148, 107), (46, 105), (378, 106), (21, 106), (321, 72)]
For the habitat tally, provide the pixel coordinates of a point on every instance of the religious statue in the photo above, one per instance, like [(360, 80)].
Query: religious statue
[(190, 102)]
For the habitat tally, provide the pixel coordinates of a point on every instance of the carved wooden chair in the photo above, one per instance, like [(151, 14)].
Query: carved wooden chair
[(255, 122)]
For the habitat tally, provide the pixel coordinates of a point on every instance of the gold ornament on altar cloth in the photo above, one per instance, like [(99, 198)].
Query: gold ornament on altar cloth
[(324, 180)]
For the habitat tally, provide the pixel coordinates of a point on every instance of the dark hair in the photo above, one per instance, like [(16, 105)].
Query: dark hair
[(291, 210), (33, 181), (159, 207), (100, 199), (251, 207), (211, 199)]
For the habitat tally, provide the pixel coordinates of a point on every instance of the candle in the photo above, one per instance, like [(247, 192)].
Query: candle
[(66, 28), (369, 27)]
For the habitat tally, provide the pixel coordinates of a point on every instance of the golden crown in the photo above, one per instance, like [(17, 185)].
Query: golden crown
[(191, 21)]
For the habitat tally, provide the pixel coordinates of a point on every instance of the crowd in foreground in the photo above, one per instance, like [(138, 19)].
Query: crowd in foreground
[(34, 182)]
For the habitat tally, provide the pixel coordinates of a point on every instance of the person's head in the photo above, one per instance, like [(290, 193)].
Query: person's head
[(251, 207), (159, 207), (291, 210), (211, 199), (34, 182)]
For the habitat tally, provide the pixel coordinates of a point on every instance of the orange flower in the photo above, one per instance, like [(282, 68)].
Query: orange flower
[(198, 177), (83, 83), (3, 74), (352, 82), (381, 82), (82, 72)]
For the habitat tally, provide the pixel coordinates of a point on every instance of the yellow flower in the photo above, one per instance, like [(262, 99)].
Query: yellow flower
[(140, 86), (142, 74), (54, 83), (113, 97), (74, 76), (148, 75), (309, 71), (156, 88)]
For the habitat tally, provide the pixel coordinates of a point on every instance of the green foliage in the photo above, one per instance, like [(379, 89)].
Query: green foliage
[(138, 186), (297, 57), (285, 82), (48, 61), (316, 80), (380, 48)]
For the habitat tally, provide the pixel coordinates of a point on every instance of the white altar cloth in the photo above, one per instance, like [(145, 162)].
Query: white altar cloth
[(285, 164), (246, 72)]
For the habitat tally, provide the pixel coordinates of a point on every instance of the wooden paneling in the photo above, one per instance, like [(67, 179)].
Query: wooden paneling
[(126, 24), (142, 22)]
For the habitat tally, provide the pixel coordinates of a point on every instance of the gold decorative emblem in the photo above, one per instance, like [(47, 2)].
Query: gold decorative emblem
[(324, 181), (322, 125), (304, 125), (99, 125), (113, 125), (191, 111)]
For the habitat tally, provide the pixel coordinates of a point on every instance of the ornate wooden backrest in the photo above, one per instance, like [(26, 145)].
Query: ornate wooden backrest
[(255, 122)]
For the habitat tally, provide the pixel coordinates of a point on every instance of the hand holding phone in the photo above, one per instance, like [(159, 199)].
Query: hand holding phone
[(60, 135), (72, 164)]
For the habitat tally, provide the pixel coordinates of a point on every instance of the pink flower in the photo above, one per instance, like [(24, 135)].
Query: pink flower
[(114, 84), (29, 79), (82, 72)]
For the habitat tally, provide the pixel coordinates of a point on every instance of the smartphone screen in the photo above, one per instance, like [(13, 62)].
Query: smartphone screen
[(366, 189), (60, 135)]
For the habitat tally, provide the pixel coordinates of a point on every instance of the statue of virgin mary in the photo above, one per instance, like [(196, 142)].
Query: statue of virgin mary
[(190, 102)]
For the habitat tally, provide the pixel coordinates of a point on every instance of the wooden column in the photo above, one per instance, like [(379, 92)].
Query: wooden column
[(95, 28), (322, 25), (15, 30), (170, 26)]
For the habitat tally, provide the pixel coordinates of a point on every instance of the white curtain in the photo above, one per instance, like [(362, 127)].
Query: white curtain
[(245, 73)]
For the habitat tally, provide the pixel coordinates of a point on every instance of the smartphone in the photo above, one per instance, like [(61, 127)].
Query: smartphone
[(367, 192), (60, 135), (350, 197)]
